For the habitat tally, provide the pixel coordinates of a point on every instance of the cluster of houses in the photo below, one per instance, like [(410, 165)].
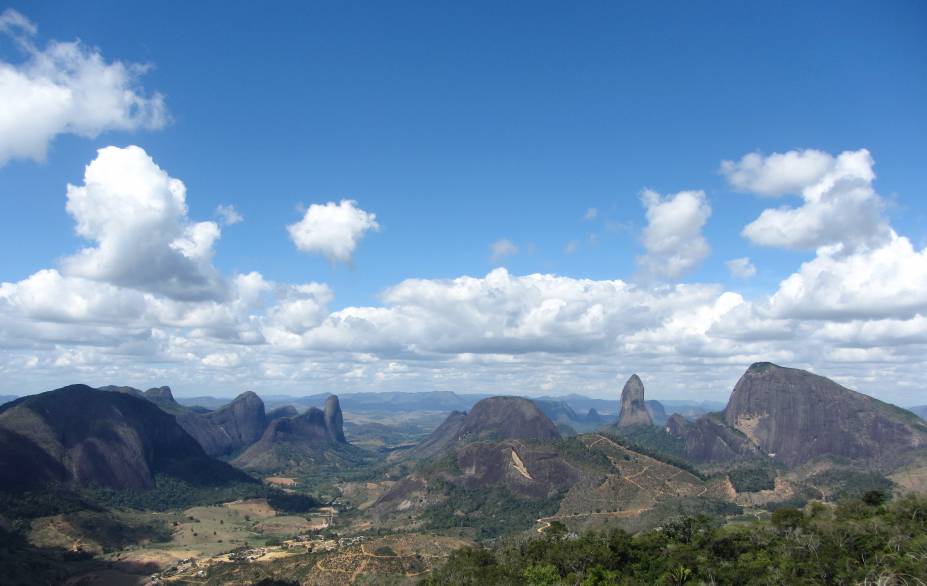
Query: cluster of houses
[(247, 555), (314, 543)]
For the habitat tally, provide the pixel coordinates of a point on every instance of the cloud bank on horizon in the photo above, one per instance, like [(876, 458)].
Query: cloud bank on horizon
[(144, 303)]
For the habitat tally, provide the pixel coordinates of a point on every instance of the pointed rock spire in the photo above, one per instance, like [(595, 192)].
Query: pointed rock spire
[(334, 422), (633, 408)]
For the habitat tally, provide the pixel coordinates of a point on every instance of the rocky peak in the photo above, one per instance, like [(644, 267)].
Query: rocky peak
[(797, 416), (499, 418), (304, 437), (308, 426), (676, 424), (633, 408), (334, 422), (243, 420), (160, 394)]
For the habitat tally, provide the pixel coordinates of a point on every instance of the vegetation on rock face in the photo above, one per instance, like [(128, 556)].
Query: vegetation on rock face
[(657, 444), (752, 479), (491, 512), (577, 454), (850, 483), (854, 542)]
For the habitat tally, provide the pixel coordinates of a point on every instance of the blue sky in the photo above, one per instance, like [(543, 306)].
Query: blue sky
[(461, 124)]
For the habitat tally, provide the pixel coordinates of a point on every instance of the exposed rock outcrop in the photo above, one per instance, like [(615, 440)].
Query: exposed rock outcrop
[(656, 411), (334, 422), (159, 394), (441, 438), (286, 440), (709, 440), (796, 416), (499, 418), (494, 419), (243, 420), (501, 442), (224, 431), (633, 409)]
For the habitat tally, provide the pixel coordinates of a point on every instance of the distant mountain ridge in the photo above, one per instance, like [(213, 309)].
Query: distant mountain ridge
[(448, 401)]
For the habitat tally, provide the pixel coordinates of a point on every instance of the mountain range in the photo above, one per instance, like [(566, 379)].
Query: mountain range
[(497, 466), (80, 436)]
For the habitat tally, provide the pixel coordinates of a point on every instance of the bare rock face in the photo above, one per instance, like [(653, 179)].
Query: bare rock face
[(334, 422), (221, 432), (227, 429), (441, 438), (708, 439), (796, 416), (657, 412), (499, 418), (305, 436), (492, 419), (633, 408), (243, 419), (160, 394), (501, 442)]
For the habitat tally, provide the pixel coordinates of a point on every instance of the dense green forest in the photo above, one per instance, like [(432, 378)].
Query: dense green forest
[(865, 541)]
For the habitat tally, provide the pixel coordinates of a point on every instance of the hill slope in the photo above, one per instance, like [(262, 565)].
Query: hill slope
[(226, 430), (82, 436)]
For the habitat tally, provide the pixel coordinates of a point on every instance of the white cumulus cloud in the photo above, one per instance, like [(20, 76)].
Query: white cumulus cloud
[(66, 87), (673, 236), (132, 308), (885, 282), (136, 214), (841, 207), (333, 229)]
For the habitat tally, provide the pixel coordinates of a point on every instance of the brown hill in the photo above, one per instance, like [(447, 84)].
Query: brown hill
[(82, 436)]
